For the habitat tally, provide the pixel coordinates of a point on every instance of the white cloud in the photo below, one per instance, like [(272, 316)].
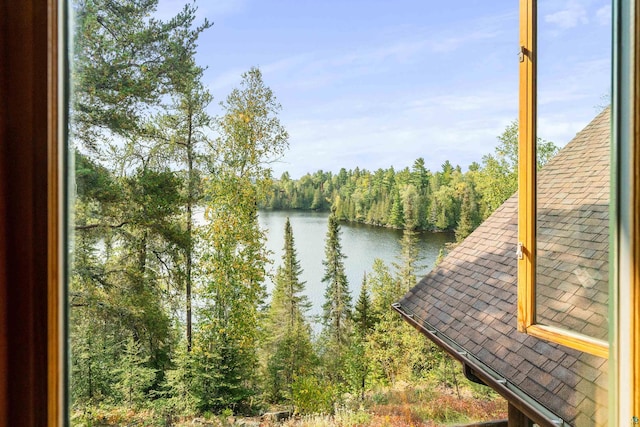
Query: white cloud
[(449, 44), (456, 127), (338, 116), (460, 126), (316, 69), (226, 80), (603, 15), (571, 16), (560, 128), (577, 83), (286, 64)]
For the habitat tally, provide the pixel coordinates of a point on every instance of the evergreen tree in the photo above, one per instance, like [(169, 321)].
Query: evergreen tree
[(124, 63), (95, 352), (133, 376), (181, 382), (289, 303), (364, 321), (407, 265), (183, 130), (396, 216), (447, 173), (291, 352), (394, 350), (469, 213), (126, 231), (385, 353), (125, 275), (337, 306), (363, 315)]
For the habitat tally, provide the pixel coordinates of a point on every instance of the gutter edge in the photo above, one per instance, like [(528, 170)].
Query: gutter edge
[(518, 398)]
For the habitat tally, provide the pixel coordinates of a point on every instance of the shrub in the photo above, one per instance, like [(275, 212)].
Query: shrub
[(310, 396)]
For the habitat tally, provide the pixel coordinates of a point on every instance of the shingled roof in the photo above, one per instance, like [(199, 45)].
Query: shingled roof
[(468, 303)]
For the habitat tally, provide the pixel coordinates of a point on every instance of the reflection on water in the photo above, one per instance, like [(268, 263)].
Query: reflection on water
[(360, 243)]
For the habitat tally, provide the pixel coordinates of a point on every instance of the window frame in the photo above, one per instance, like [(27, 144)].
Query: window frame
[(57, 212), (32, 339), (32, 298), (624, 283), (527, 194)]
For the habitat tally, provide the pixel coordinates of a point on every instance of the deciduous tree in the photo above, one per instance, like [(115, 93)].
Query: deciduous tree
[(233, 252)]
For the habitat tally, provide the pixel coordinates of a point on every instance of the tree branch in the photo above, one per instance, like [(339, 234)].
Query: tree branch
[(90, 226)]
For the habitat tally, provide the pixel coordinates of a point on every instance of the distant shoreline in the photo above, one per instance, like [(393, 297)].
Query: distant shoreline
[(350, 221)]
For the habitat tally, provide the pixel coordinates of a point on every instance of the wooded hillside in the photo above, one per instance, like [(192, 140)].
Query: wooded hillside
[(412, 198), (171, 316)]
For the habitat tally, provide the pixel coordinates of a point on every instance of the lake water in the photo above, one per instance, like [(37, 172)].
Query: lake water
[(360, 243)]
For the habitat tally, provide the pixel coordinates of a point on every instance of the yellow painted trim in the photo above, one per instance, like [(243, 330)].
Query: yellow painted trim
[(635, 232), (570, 339), (527, 212), (527, 165)]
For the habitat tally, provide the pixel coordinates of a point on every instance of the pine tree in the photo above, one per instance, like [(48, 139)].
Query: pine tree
[(393, 348), (133, 375), (469, 214), (386, 357), (181, 382), (113, 86), (125, 63), (291, 352), (407, 263), (337, 307), (363, 315), (396, 216), (364, 321), (183, 130), (289, 301)]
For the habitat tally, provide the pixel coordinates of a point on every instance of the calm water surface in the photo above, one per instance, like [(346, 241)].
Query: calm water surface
[(360, 243)]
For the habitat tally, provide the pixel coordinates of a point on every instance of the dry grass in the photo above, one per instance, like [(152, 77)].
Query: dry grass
[(403, 406), (411, 406)]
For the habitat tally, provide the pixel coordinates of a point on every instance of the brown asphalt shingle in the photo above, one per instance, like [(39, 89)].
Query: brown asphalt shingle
[(471, 296)]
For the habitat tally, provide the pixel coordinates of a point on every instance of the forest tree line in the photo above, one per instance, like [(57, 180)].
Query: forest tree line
[(170, 314), (445, 200)]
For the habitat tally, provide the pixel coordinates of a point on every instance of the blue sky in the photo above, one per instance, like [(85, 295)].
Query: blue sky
[(379, 83)]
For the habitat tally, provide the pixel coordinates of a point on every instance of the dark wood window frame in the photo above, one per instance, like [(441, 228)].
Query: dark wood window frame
[(32, 377)]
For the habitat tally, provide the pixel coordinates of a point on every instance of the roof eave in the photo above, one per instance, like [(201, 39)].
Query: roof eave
[(518, 398)]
